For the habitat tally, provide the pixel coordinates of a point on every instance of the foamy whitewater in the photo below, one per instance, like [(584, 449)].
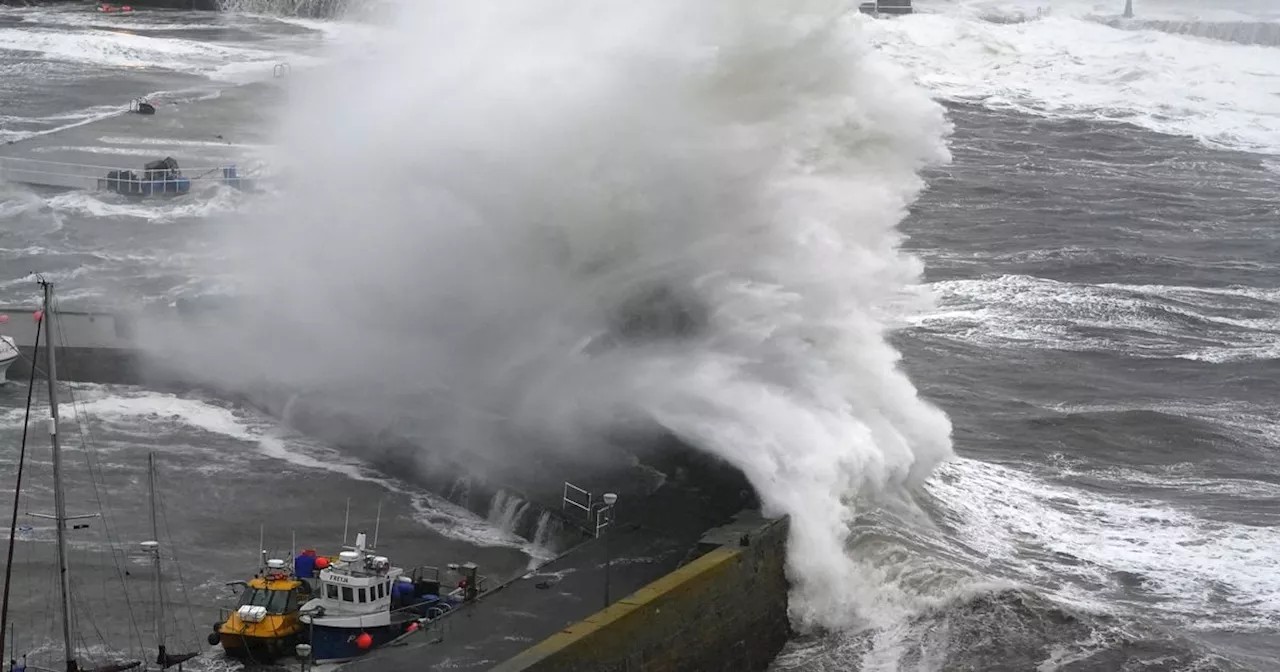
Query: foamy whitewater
[(755, 159)]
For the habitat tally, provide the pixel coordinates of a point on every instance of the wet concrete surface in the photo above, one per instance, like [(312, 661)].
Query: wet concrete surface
[(652, 536)]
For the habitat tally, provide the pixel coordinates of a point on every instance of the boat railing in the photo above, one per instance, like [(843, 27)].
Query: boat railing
[(90, 176), (425, 573), (432, 573)]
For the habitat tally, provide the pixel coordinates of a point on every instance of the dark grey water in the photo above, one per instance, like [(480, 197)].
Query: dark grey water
[(1105, 341)]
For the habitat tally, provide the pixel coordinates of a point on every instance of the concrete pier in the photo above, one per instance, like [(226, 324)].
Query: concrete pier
[(725, 611)]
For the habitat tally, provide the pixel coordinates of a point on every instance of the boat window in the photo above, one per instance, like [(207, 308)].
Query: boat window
[(292, 604), (348, 595), (276, 601), (378, 592), (361, 593), (331, 591)]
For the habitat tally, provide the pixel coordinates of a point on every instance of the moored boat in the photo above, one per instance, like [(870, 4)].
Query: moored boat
[(8, 355), (363, 602), (265, 625)]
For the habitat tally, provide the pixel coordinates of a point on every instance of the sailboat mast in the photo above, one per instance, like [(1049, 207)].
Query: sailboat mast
[(59, 500), (155, 534), (13, 522)]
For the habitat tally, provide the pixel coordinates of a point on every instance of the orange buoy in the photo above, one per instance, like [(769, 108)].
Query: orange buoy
[(364, 641), (322, 562)]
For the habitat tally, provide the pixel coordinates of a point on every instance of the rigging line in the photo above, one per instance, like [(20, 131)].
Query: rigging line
[(182, 582), (104, 504), (82, 599), (79, 605), (17, 495)]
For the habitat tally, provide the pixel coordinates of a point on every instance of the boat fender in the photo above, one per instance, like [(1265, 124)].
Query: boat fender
[(213, 639), (364, 641)]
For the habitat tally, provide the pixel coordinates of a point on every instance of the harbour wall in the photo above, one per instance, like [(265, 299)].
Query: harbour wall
[(524, 496), (726, 610), (109, 348)]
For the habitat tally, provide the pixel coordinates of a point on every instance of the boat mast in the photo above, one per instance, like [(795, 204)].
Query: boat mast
[(17, 500), (59, 500), (155, 534)]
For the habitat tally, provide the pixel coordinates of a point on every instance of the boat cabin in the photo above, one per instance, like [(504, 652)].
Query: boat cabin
[(357, 582), (276, 596), (274, 592)]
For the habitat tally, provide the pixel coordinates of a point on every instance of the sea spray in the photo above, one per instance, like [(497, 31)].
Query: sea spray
[(540, 221)]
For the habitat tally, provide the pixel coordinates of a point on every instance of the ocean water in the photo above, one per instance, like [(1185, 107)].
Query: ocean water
[(991, 293)]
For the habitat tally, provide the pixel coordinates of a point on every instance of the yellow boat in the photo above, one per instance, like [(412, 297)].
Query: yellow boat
[(265, 625)]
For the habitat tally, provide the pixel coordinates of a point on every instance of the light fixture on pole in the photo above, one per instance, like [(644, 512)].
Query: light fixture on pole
[(303, 652), (609, 500)]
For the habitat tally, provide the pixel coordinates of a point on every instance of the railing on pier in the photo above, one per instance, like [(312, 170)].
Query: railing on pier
[(598, 513), (83, 176), (889, 7)]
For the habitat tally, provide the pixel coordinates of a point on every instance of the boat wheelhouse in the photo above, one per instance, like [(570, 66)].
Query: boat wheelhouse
[(265, 625)]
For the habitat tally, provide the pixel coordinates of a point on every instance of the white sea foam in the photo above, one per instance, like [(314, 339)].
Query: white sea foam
[(526, 174), (116, 405), (106, 206), (1191, 565), (122, 49), (1141, 320), (1071, 66)]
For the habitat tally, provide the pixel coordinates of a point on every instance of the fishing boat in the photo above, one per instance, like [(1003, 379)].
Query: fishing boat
[(265, 626), (363, 602), (60, 518)]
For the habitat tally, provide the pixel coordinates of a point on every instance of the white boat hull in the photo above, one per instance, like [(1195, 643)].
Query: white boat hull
[(8, 355)]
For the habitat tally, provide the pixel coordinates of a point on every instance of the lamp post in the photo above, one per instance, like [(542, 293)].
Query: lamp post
[(609, 500), (303, 651)]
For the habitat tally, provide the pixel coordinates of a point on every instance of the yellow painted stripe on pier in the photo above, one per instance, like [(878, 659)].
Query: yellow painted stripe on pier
[(606, 617)]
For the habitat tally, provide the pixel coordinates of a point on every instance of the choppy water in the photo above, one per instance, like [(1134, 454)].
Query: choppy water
[(1103, 260)]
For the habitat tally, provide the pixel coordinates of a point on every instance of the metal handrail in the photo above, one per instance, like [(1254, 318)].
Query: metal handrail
[(88, 176), (566, 500)]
